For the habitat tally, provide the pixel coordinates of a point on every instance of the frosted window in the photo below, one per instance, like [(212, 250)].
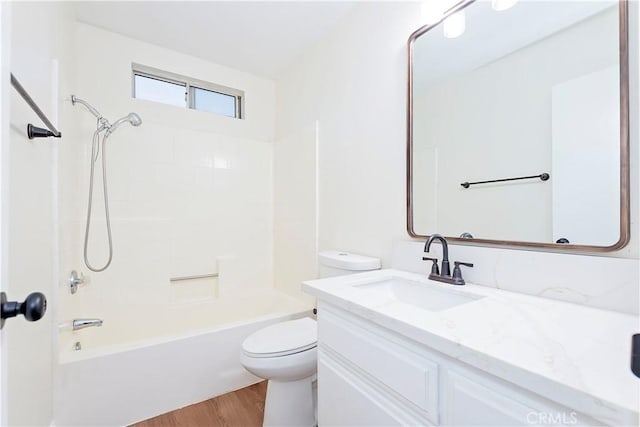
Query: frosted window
[(159, 91), (214, 102)]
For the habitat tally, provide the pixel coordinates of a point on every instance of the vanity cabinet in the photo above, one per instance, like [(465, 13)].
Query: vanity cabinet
[(369, 375)]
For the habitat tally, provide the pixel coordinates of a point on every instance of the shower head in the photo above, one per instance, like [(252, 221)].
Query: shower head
[(132, 118), (103, 123)]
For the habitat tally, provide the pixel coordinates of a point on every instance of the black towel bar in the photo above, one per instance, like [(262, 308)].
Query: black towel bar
[(542, 176), (34, 131)]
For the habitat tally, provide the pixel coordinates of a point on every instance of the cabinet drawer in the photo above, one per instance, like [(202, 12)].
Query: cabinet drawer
[(410, 375)]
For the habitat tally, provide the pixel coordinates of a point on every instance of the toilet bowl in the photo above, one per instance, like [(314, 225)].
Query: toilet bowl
[(285, 354)]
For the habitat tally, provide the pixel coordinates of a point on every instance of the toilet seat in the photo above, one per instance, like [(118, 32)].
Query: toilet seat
[(282, 339)]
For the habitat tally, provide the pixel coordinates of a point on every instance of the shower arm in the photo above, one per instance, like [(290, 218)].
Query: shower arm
[(104, 123)]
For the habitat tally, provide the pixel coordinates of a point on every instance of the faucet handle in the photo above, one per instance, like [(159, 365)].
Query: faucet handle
[(434, 266), (457, 272), (75, 279), (466, 264)]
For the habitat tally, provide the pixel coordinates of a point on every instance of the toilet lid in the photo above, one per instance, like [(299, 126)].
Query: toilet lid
[(282, 339)]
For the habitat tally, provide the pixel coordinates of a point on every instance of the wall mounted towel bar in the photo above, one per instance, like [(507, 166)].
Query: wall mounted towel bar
[(542, 177), (34, 131)]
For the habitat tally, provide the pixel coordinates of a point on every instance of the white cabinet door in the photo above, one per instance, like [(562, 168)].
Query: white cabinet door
[(343, 401), (471, 403), (393, 364), (472, 399)]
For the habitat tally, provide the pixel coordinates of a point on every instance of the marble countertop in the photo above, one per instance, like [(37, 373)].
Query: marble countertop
[(574, 355)]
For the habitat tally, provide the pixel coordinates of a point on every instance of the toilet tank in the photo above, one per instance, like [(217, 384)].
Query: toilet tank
[(337, 263)]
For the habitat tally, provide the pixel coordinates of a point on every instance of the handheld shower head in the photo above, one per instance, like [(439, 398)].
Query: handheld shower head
[(103, 123), (132, 118)]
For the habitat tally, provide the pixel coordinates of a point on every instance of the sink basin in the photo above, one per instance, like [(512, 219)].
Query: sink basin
[(417, 294)]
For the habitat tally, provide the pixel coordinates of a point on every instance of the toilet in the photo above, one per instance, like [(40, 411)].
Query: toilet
[(285, 354)]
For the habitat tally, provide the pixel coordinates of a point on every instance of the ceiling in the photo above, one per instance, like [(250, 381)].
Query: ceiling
[(259, 37)]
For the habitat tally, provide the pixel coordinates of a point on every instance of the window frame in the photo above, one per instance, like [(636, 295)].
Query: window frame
[(189, 84)]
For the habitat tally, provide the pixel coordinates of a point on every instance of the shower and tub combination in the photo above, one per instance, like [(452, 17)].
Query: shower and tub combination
[(98, 147), (148, 359)]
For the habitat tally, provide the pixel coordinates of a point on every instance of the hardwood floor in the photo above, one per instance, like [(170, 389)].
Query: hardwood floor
[(241, 408)]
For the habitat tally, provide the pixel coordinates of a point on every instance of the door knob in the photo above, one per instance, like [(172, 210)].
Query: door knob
[(32, 308)]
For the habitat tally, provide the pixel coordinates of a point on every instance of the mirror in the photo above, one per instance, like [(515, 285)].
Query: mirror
[(518, 128)]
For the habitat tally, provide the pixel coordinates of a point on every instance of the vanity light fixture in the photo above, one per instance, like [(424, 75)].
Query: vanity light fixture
[(454, 25), (501, 5)]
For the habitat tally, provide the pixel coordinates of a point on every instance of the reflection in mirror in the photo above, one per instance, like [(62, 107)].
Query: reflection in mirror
[(532, 91)]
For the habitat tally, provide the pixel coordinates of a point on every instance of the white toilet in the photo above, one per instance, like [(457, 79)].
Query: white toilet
[(286, 353)]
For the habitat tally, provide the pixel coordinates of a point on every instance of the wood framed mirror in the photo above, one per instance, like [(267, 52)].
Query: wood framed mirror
[(518, 129)]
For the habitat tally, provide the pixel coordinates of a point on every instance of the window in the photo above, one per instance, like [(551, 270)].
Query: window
[(157, 90), (213, 102), (167, 88)]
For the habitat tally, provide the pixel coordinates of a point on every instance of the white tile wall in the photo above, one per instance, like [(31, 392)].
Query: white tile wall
[(186, 188)]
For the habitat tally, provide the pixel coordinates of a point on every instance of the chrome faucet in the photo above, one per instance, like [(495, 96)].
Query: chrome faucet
[(85, 323), (444, 274)]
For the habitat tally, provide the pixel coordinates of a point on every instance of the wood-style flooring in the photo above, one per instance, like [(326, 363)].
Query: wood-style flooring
[(241, 408)]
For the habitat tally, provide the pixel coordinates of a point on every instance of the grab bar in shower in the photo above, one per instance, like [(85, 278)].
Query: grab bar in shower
[(85, 323), (34, 131), (201, 276)]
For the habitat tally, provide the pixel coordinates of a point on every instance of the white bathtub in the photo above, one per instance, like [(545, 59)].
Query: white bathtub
[(141, 364)]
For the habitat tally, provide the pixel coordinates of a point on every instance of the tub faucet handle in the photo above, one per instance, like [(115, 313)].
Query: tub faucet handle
[(75, 279)]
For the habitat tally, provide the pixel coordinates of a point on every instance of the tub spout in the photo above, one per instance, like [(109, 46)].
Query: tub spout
[(85, 323)]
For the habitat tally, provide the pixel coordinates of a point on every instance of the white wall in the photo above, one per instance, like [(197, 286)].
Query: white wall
[(5, 70), (354, 83), (41, 35), (296, 208), (586, 193), (190, 192), (511, 138)]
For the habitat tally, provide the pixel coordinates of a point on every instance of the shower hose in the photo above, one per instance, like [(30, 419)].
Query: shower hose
[(95, 151)]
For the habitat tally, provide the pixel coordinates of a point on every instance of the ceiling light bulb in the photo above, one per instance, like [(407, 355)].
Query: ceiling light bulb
[(454, 25), (502, 4)]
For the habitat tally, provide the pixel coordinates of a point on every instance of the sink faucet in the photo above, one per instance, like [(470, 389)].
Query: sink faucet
[(445, 271), (444, 275), (85, 323)]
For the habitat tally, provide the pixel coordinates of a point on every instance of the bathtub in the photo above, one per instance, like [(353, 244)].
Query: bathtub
[(141, 364)]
